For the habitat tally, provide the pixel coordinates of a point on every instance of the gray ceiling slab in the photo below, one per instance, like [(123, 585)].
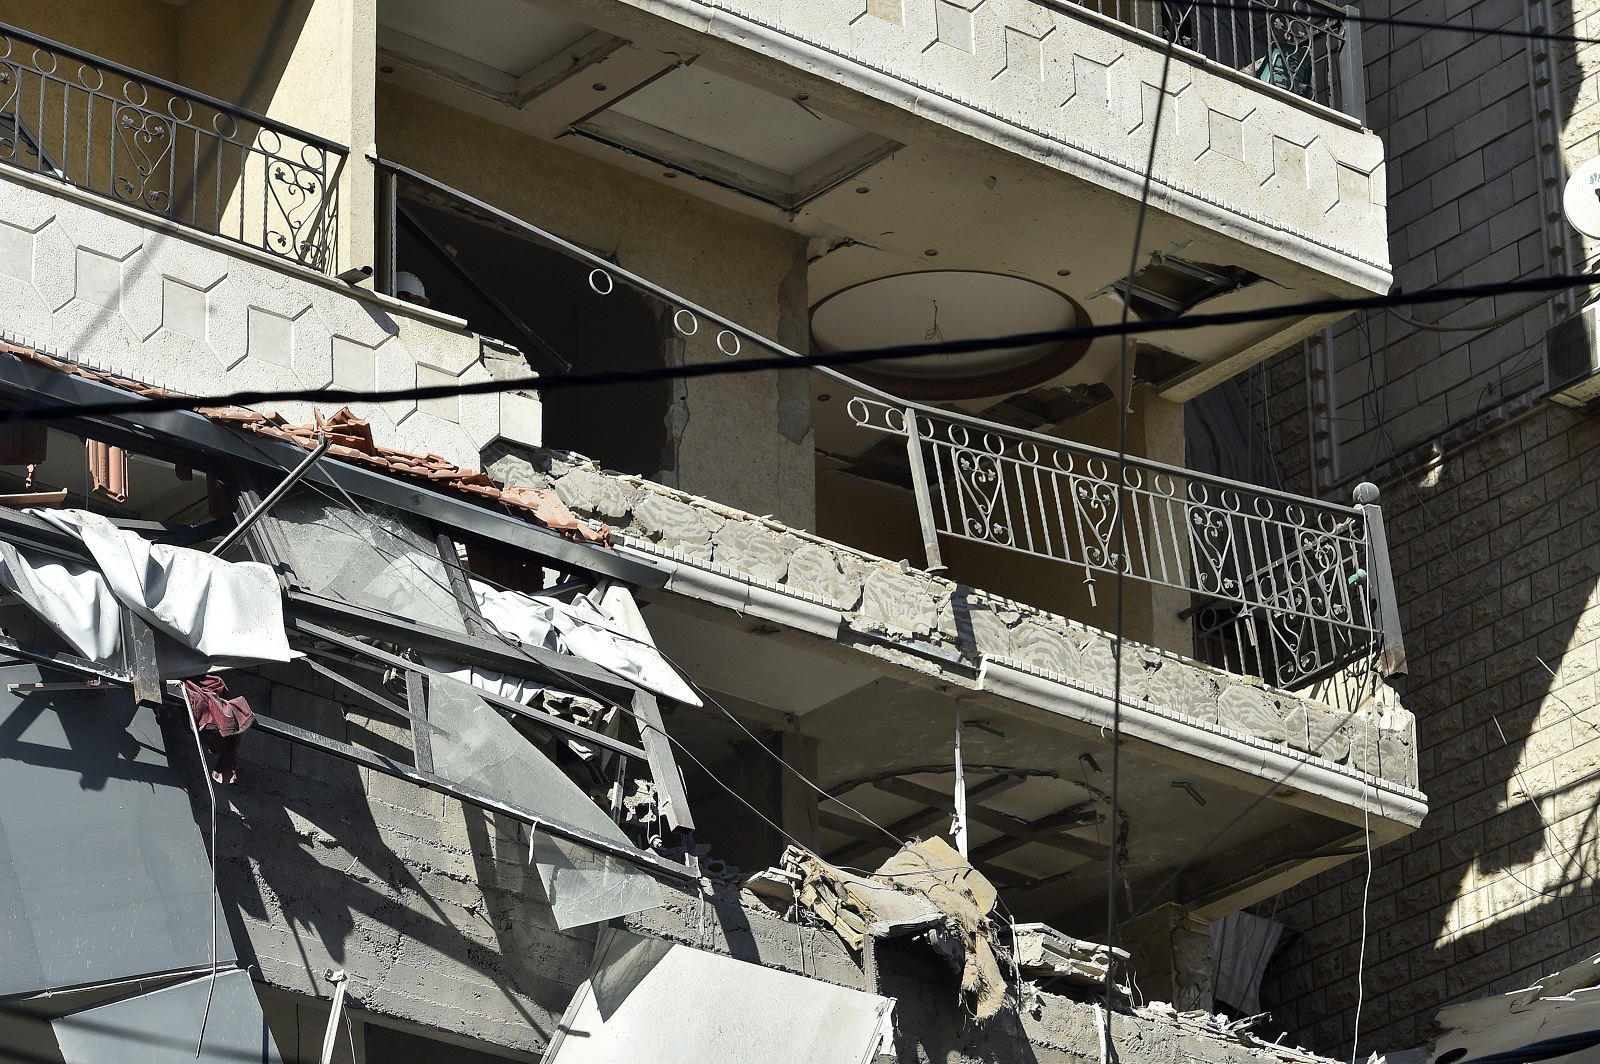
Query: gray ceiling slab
[(165, 1027), (103, 874)]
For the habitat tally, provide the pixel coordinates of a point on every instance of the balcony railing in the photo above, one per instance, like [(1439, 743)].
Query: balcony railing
[(1307, 47), (1286, 588), (167, 150)]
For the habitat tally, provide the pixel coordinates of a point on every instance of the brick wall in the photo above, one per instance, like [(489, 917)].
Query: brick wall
[(1490, 494), (1496, 564)]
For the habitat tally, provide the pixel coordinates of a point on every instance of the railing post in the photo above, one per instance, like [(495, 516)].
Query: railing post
[(1352, 70), (923, 491), (1392, 655), (388, 199)]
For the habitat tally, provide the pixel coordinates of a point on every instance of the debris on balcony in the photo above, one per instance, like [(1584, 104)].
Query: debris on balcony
[(1043, 953), (912, 616), (927, 889)]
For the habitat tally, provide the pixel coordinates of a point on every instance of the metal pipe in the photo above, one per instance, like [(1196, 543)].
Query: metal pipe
[(277, 493)]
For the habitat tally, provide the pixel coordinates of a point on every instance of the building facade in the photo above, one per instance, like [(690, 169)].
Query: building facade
[(539, 676)]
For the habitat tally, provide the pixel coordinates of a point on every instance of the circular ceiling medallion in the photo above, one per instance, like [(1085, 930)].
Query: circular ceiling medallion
[(932, 305)]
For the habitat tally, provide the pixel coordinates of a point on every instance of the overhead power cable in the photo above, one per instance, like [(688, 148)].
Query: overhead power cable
[(605, 378)]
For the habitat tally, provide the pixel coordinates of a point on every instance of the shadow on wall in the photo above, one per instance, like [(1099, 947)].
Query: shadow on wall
[(1488, 895), (394, 902)]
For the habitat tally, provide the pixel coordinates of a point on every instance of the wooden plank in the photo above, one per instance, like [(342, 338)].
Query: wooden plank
[(421, 740)]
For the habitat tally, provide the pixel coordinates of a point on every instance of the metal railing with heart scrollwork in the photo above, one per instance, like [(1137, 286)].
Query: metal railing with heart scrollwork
[(1285, 588), (167, 150)]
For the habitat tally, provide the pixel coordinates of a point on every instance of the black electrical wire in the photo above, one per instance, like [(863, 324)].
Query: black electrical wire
[(556, 382)]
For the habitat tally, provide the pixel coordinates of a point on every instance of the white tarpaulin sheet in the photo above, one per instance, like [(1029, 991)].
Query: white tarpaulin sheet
[(655, 1002), (580, 629), (226, 613), (1241, 946)]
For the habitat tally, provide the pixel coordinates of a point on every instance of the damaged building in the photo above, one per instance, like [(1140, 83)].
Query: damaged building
[(918, 710)]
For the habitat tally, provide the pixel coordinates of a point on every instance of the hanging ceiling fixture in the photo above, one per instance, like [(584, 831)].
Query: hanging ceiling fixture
[(950, 305)]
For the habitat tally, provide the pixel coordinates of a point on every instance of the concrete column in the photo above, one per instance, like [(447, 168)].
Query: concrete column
[(1171, 955)]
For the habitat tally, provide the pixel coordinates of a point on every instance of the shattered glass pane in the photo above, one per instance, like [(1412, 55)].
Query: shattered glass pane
[(473, 745), (586, 886), (380, 559)]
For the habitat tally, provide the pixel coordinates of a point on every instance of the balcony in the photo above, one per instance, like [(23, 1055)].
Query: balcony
[(171, 152)]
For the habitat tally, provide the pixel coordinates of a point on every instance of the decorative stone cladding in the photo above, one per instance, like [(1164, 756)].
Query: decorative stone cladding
[(923, 620), (121, 290), (435, 914)]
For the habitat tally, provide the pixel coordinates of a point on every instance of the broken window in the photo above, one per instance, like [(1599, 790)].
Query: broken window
[(1171, 286), (475, 746), (378, 558)]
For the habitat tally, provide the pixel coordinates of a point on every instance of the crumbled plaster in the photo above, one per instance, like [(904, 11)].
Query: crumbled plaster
[(945, 620)]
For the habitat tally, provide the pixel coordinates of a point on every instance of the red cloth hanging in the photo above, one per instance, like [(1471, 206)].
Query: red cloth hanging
[(220, 721)]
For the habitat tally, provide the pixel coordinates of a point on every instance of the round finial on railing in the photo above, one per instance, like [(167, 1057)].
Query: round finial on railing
[(1366, 493)]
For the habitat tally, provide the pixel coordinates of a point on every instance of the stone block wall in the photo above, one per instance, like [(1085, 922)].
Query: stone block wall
[(1496, 563), (1490, 493)]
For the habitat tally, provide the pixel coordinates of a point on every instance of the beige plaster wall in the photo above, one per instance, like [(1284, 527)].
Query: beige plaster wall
[(308, 63), (143, 35), (742, 440)]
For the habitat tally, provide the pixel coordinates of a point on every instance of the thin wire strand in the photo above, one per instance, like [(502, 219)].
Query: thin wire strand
[(211, 793), (1124, 399)]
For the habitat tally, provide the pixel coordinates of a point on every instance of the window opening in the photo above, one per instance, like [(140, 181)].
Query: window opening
[(534, 296)]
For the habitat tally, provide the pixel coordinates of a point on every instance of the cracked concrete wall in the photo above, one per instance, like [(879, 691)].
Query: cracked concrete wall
[(922, 619), (746, 439)]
